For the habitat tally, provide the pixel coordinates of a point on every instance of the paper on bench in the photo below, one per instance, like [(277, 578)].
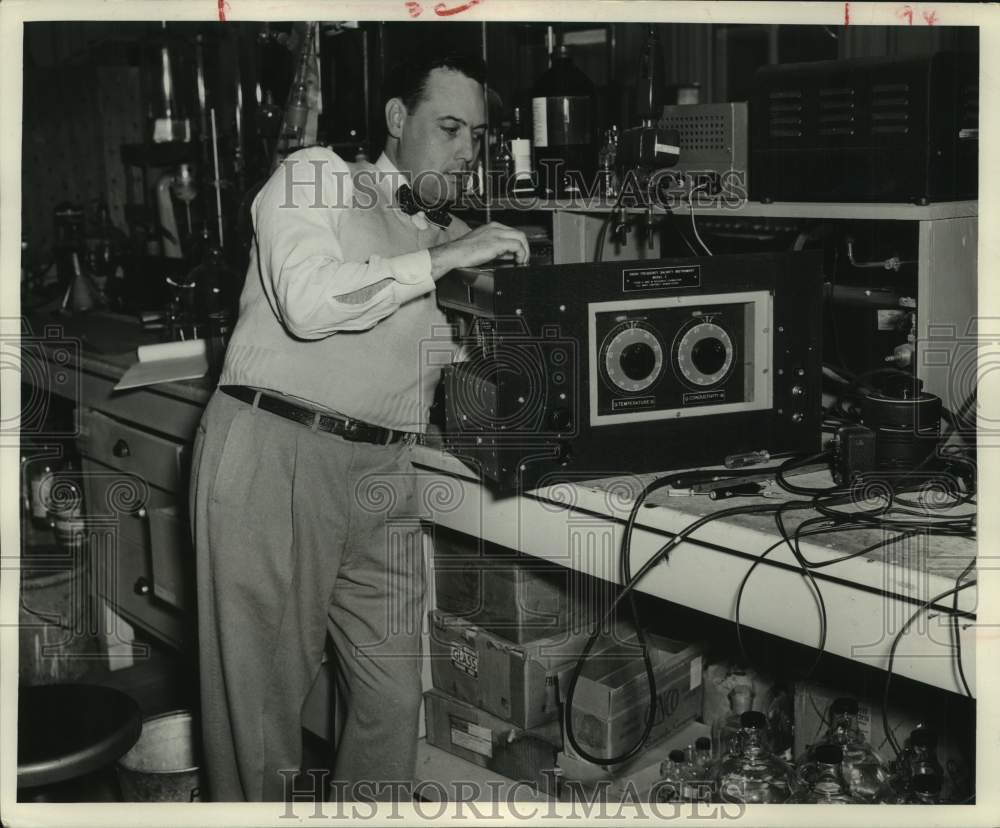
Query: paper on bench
[(166, 362)]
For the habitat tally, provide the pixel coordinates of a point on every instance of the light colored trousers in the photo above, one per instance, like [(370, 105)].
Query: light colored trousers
[(300, 534)]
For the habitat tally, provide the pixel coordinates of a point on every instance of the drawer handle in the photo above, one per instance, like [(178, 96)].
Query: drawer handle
[(121, 449), (140, 513), (142, 587)]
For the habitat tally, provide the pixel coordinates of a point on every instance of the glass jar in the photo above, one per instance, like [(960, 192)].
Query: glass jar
[(751, 773), (864, 770), (824, 781)]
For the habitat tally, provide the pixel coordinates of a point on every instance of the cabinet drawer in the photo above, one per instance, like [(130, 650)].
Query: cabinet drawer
[(126, 582), (156, 460), (172, 558), (123, 500)]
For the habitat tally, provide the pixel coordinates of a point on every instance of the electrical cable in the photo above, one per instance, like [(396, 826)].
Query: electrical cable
[(955, 628), (811, 564), (822, 500), (603, 232), (793, 463), (629, 585), (815, 586), (892, 655), (694, 225)]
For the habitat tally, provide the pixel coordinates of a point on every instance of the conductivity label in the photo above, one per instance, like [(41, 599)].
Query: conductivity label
[(701, 397), (658, 278)]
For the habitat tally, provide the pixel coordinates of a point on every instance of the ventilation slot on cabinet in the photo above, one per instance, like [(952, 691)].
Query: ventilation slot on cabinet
[(890, 108), (785, 113), (836, 111), (699, 132), (970, 106)]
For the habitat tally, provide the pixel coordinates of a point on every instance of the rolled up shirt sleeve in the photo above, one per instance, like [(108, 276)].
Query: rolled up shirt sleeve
[(312, 289)]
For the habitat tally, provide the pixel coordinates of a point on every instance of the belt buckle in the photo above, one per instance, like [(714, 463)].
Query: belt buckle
[(410, 438), (351, 430)]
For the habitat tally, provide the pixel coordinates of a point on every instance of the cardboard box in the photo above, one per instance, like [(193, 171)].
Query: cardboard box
[(612, 695), (478, 737), (517, 596), (516, 682)]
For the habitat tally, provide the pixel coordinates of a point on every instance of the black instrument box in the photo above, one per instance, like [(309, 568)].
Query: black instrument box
[(866, 130), (580, 371)]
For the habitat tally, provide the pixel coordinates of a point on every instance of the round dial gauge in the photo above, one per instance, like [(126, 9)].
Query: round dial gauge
[(633, 357), (705, 354)]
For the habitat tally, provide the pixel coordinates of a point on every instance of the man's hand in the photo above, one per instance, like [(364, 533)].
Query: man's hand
[(484, 244)]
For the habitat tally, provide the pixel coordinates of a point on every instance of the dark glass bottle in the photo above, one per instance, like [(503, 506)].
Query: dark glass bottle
[(563, 109)]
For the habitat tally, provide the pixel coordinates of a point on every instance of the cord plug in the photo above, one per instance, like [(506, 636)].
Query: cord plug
[(854, 453)]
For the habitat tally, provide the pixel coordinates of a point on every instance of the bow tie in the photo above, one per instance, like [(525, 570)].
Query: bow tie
[(408, 204)]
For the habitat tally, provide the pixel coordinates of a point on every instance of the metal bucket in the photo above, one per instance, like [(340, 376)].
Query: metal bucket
[(163, 765)]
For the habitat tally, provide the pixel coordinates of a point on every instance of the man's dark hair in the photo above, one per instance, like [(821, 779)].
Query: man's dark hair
[(408, 80)]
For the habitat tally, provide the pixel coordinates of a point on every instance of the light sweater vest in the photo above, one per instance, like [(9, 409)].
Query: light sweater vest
[(385, 375)]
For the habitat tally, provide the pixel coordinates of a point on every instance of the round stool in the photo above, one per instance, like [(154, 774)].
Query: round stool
[(67, 731)]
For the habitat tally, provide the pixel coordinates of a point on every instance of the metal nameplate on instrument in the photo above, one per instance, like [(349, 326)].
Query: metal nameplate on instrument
[(658, 278)]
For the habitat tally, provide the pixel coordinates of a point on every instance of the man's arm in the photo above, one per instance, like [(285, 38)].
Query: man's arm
[(312, 288)]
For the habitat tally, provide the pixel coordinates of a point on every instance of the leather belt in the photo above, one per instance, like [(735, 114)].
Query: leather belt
[(353, 430)]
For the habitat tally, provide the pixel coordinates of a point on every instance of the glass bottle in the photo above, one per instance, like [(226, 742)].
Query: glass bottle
[(674, 774), (916, 761), (824, 782), (726, 729), (699, 767), (169, 121), (864, 770), (606, 158), (780, 711), (701, 756), (751, 773), (924, 789), (297, 106), (520, 151), (563, 106), (107, 254), (502, 164)]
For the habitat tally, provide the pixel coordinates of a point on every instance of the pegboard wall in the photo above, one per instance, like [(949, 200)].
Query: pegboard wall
[(81, 103), (120, 102), (62, 149)]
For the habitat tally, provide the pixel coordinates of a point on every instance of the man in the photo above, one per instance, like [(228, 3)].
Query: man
[(301, 464)]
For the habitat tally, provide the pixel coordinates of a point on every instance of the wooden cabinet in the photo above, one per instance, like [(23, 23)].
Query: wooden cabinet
[(135, 488)]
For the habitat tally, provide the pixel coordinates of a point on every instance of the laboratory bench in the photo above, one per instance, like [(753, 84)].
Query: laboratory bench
[(143, 436)]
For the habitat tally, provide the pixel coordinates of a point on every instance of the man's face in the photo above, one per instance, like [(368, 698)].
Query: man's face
[(442, 135)]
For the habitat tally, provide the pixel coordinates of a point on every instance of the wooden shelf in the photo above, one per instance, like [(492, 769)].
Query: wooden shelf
[(784, 209)]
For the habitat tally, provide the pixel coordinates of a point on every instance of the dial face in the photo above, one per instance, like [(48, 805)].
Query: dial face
[(704, 354), (633, 357)]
